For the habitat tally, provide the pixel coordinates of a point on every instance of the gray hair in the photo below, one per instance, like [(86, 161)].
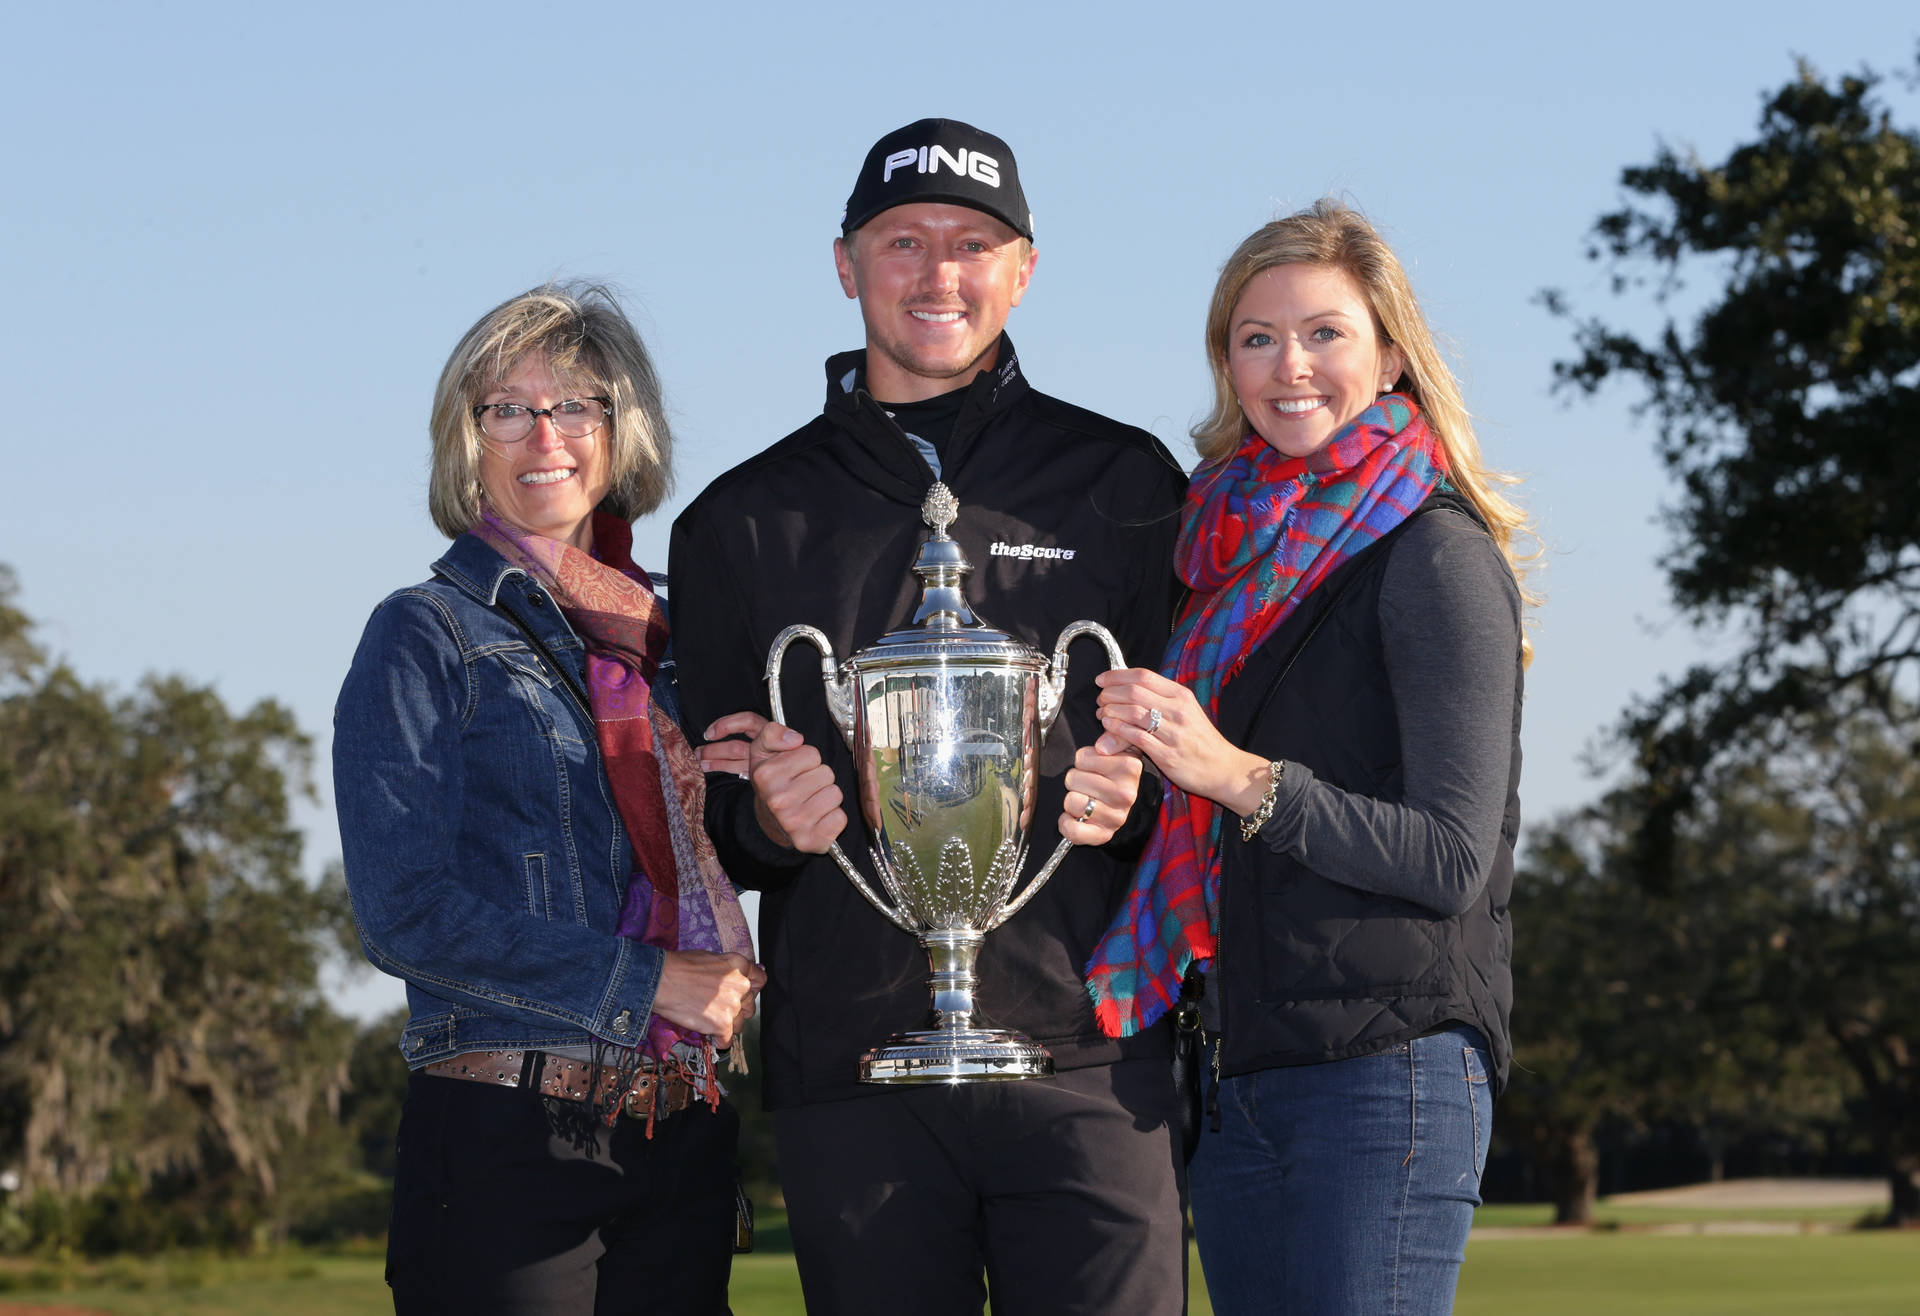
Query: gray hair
[(587, 341)]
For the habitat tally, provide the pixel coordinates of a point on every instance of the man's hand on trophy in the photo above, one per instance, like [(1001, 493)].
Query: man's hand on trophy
[(1100, 792), (708, 992), (727, 745), (796, 799)]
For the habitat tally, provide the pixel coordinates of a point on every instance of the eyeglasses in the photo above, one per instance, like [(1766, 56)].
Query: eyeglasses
[(509, 422)]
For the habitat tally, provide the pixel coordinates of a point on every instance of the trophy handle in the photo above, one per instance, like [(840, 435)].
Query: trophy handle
[(840, 694), (1053, 688), (839, 684), (892, 915)]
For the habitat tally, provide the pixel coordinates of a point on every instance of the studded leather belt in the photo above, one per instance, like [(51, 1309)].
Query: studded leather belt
[(649, 1093)]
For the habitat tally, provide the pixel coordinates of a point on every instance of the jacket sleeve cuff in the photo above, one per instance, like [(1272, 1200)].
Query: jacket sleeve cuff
[(750, 857), (629, 1004), (1131, 839)]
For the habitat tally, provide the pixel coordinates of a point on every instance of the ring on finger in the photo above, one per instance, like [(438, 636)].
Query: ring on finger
[(1087, 812), (1153, 720)]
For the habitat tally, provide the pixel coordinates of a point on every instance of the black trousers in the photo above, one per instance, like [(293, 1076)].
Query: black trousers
[(498, 1208), (1062, 1195)]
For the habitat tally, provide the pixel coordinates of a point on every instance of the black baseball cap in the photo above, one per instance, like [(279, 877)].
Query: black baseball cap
[(940, 160)]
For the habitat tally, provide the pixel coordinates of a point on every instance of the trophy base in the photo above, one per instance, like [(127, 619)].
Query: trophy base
[(952, 1055)]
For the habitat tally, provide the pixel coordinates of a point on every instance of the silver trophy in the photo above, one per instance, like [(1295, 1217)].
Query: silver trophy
[(944, 718)]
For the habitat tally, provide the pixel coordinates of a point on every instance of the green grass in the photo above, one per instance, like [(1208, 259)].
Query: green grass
[(295, 1284), (1513, 1215), (1589, 1274), (1604, 1274)]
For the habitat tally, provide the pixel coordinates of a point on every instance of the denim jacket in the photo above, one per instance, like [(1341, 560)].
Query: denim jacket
[(485, 859)]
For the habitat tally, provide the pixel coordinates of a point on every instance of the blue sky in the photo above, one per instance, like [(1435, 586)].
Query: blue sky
[(240, 241)]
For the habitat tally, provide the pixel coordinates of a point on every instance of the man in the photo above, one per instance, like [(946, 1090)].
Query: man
[(1066, 1191)]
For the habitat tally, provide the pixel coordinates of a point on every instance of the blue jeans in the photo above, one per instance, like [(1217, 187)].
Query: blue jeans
[(1345, 1188)]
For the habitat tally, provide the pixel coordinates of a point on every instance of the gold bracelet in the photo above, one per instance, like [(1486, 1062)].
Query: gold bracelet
[(1251, 824)]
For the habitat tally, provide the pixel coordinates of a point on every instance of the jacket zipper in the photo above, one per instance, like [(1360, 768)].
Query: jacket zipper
[(1219, 1037), (892, 426)]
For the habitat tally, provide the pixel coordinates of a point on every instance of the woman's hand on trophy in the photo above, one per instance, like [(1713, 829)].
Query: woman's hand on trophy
[(796, 799), (1101, 786), (727, 746), (1144, 710), (708, 992)]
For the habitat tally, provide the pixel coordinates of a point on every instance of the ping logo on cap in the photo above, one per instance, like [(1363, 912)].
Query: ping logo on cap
[(977, 165)]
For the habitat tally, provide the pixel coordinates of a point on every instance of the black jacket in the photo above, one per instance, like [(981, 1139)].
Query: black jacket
[(822, 529), (1312, 968)]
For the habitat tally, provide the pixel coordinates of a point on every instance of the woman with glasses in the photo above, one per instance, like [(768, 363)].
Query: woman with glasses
[(1338, 719), (521, 822)]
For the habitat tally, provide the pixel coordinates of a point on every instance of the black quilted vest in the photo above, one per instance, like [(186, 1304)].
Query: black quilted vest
[(1311, 970)]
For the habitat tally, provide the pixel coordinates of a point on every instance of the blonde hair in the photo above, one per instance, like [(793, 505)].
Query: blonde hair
[(588, 341), (1337, 237)]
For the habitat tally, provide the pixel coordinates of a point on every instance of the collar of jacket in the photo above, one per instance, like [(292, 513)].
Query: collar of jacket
[(489, 579), (852, 409)]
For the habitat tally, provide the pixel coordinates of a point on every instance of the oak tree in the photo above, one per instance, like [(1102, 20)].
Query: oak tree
[(1787, 404), (160, 1008)]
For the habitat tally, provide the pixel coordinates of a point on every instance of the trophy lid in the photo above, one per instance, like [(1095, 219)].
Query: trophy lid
[(944, 626)]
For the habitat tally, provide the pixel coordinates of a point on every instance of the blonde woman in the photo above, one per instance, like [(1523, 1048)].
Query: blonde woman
[(1338, 718), (521, 823)]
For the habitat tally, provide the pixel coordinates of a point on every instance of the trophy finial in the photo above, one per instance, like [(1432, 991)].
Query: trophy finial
[(941, 565), (939, 509)]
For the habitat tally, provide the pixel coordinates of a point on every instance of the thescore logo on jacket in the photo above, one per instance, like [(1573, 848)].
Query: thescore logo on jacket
[(977, 165), (1028, 551)]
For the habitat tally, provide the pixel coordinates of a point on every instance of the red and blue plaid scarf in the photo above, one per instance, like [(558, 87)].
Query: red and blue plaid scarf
[(1261, 533)]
